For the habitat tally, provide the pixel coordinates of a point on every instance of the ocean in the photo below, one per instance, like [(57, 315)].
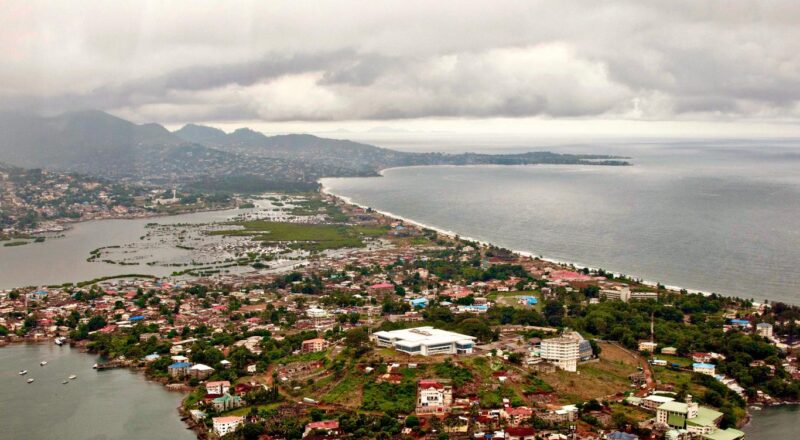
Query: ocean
[(713, 216)]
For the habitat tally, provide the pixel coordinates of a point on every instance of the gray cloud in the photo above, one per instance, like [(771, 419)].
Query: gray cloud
[(360, 61)]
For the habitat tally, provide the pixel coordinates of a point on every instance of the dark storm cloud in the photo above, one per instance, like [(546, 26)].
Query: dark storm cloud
[(355, 60)]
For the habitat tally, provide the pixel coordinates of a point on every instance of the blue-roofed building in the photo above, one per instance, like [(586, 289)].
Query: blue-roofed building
[(704, 368), (530, 300), (37, 295), (136, 318), (740, 322), (179, 369), (152, 357), (418, 302), (617, 435)]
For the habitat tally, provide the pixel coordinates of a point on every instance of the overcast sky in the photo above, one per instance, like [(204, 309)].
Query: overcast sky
[(553, 66)]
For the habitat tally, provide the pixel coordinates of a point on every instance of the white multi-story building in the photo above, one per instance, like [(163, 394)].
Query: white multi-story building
[(562, 352), (425, 341), (764, 329), (224, 425), (218, 387), (434, 397), (622, 294)]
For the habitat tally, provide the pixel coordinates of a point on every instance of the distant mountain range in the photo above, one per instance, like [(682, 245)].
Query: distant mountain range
[(97, 143)]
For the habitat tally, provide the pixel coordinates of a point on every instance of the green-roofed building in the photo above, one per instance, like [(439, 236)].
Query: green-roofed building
[(695, 419)]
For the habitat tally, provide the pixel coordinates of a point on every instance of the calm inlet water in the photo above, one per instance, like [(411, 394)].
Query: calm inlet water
[(63, 259), (705, 217), (115, 404)]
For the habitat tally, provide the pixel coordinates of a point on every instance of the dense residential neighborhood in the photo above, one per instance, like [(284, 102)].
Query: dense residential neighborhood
[(409, 333), (33, 201)]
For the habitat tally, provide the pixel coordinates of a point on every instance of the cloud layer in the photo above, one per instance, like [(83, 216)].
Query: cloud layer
[(335, 61)]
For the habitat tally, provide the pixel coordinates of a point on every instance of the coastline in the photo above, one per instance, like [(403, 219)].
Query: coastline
[(327, 191)]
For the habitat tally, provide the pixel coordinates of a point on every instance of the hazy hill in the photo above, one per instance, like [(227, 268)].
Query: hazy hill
[(100, 144), (76, 139)]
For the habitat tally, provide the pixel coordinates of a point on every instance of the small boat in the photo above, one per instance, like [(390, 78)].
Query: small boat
[(65, 382), (73, 377), (30, 380), (23, 372), (60, 340), (94, 366), (43, 363)]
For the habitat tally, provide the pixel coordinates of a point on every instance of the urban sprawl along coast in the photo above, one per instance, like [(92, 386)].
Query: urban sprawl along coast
[(321, 320)]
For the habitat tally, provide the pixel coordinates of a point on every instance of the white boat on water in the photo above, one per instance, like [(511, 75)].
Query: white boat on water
[(43, 363), (60, 340), (30, 380), (23, 372), (73, 377)]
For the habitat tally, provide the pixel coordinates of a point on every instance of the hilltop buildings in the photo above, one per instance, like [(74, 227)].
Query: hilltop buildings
[(563, 352), (434, 397), (425, 341)]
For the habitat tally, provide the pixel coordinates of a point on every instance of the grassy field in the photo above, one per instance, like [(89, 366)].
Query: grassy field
[(683, 362), (305, 236), (347, 391), (315, 206), (678, 379), (606, 377), (512, 299), (243, 411)]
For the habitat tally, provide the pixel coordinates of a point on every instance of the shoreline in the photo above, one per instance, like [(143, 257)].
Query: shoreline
[(449, 233)]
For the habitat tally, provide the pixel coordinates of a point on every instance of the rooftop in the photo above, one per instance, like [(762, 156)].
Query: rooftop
[(427, 335)]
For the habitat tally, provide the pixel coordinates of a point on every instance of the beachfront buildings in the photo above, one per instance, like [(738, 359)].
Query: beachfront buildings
[(225, 425), (434, 397), (563, 352), (425, 341), (697, 420)]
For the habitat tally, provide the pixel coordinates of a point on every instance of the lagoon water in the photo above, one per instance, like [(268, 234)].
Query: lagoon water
[(63, 259), (107, 405), (721, 217)]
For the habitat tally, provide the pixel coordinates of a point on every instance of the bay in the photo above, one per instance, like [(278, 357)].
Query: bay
[(704, 216), (107, 405)]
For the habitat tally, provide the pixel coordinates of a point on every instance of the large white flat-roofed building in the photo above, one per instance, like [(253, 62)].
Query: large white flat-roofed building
[(563, 352), (425, 341)]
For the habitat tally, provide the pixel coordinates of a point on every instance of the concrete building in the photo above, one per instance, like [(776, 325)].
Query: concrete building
[(704, 368), (434, 397), (764, 329), (585, 351), (563, 352), (425, 341), (314, 345), (697, 420), (200, 371), (218, 387), (225, 425), (647, 346), (623, 294), (329, 427)]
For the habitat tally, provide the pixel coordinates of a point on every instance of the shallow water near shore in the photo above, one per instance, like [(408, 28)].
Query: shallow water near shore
[(108, 405)]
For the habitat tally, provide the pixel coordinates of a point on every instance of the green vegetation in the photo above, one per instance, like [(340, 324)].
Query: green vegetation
[(312, 237), (15, 243)]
